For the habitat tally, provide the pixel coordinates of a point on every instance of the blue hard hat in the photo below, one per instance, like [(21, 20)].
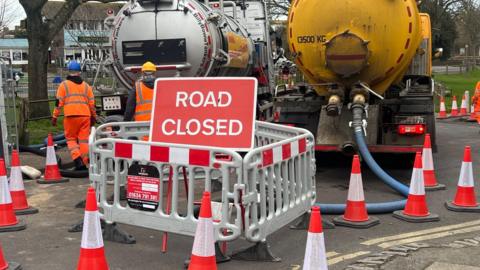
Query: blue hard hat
[(74, 66)]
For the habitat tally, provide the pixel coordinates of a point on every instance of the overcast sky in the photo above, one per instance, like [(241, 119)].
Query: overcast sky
[(20, 14)]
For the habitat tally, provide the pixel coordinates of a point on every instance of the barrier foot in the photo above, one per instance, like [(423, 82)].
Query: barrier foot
[(14, 266), (81, 204), (259, 252), (114, 234), (78, 227), (304, 220), (219, 256)]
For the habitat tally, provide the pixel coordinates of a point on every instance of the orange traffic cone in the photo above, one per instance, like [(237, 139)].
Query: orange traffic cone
[(4, 265), (454, 111), (463, 107), (465, 199), (8, 220), (416, 209), (52, 173), (315, 255), (428, 169), (203, 251), (92, 252), (17, 190), (443, 111), (355, 215)]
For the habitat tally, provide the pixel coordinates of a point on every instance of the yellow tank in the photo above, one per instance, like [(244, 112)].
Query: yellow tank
[(350, 41)]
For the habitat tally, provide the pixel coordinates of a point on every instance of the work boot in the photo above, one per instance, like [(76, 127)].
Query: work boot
[(79, 165)]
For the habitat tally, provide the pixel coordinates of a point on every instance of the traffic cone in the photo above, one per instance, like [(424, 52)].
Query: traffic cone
[(203, 251), (428, 168), (416, 209), (315, 255), (92, 252), (4, 265), (8, 220), (472, 117), (17, 190), (355, 215), (465, 199), (52, 173), (463, 107), (443, 111), (454, 111)]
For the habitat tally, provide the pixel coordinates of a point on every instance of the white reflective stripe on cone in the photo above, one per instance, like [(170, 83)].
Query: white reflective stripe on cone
[(179, 155), (454, 106), (427, 159), (315, 256), (5, 197), (51, 158), (355, 190), (92, 231), (16, 179), (466, 175), (417, 186), (141, 151), (442, 107), (204, 242), (277, 154)]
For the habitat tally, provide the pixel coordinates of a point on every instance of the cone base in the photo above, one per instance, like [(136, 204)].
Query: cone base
[(372, 221), (27, 211), (435, 187), (14, 266), (430, 218), (52, 181), (452, 207), (21, 225)]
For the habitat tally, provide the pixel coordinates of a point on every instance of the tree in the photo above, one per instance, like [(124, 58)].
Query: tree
[(468, 21), (8, 14), (278, 9), (40, 33), (442, 15)]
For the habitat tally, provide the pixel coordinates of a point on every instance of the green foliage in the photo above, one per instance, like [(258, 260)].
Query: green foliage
[(458, 84)]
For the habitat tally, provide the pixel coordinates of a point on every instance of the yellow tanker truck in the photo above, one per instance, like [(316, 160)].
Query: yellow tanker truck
[(373, 55)]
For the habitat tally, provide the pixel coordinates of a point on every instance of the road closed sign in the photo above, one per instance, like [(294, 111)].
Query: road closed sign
[(218, 112)]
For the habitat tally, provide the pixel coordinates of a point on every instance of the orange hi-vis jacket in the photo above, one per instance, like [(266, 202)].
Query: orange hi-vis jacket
[(144, 98), (76, 99)]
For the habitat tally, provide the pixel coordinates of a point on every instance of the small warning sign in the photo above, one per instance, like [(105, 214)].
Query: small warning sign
[(143, 185)]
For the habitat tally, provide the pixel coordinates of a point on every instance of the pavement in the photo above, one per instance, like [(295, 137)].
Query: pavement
[(452, 243)]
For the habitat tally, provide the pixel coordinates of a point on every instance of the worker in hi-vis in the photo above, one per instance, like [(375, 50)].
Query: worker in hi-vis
[(78, 102), (139, 103), (476, 102)]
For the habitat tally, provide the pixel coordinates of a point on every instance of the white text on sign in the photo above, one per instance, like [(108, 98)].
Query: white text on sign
[(208, 127)]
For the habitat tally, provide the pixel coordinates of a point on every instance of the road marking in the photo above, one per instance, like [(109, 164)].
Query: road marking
[(331, 254), (346, 257), (417, 233), (428, 237)]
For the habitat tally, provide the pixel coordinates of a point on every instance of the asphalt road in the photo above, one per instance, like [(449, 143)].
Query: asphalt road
[(46, 244)]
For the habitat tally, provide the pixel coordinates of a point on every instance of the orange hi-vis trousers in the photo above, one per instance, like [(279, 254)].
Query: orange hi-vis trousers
[(77, 130)]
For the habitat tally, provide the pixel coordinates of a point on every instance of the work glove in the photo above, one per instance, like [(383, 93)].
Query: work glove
[(93, 121), (54, 121)]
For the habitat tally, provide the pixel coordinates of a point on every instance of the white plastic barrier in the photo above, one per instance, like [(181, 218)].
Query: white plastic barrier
[(269, 187)]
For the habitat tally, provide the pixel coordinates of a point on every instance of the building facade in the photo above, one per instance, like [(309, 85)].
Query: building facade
[(84, 38)]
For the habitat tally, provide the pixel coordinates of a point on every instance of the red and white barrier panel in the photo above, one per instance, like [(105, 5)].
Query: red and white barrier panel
[(183, 156), (283, 152)]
